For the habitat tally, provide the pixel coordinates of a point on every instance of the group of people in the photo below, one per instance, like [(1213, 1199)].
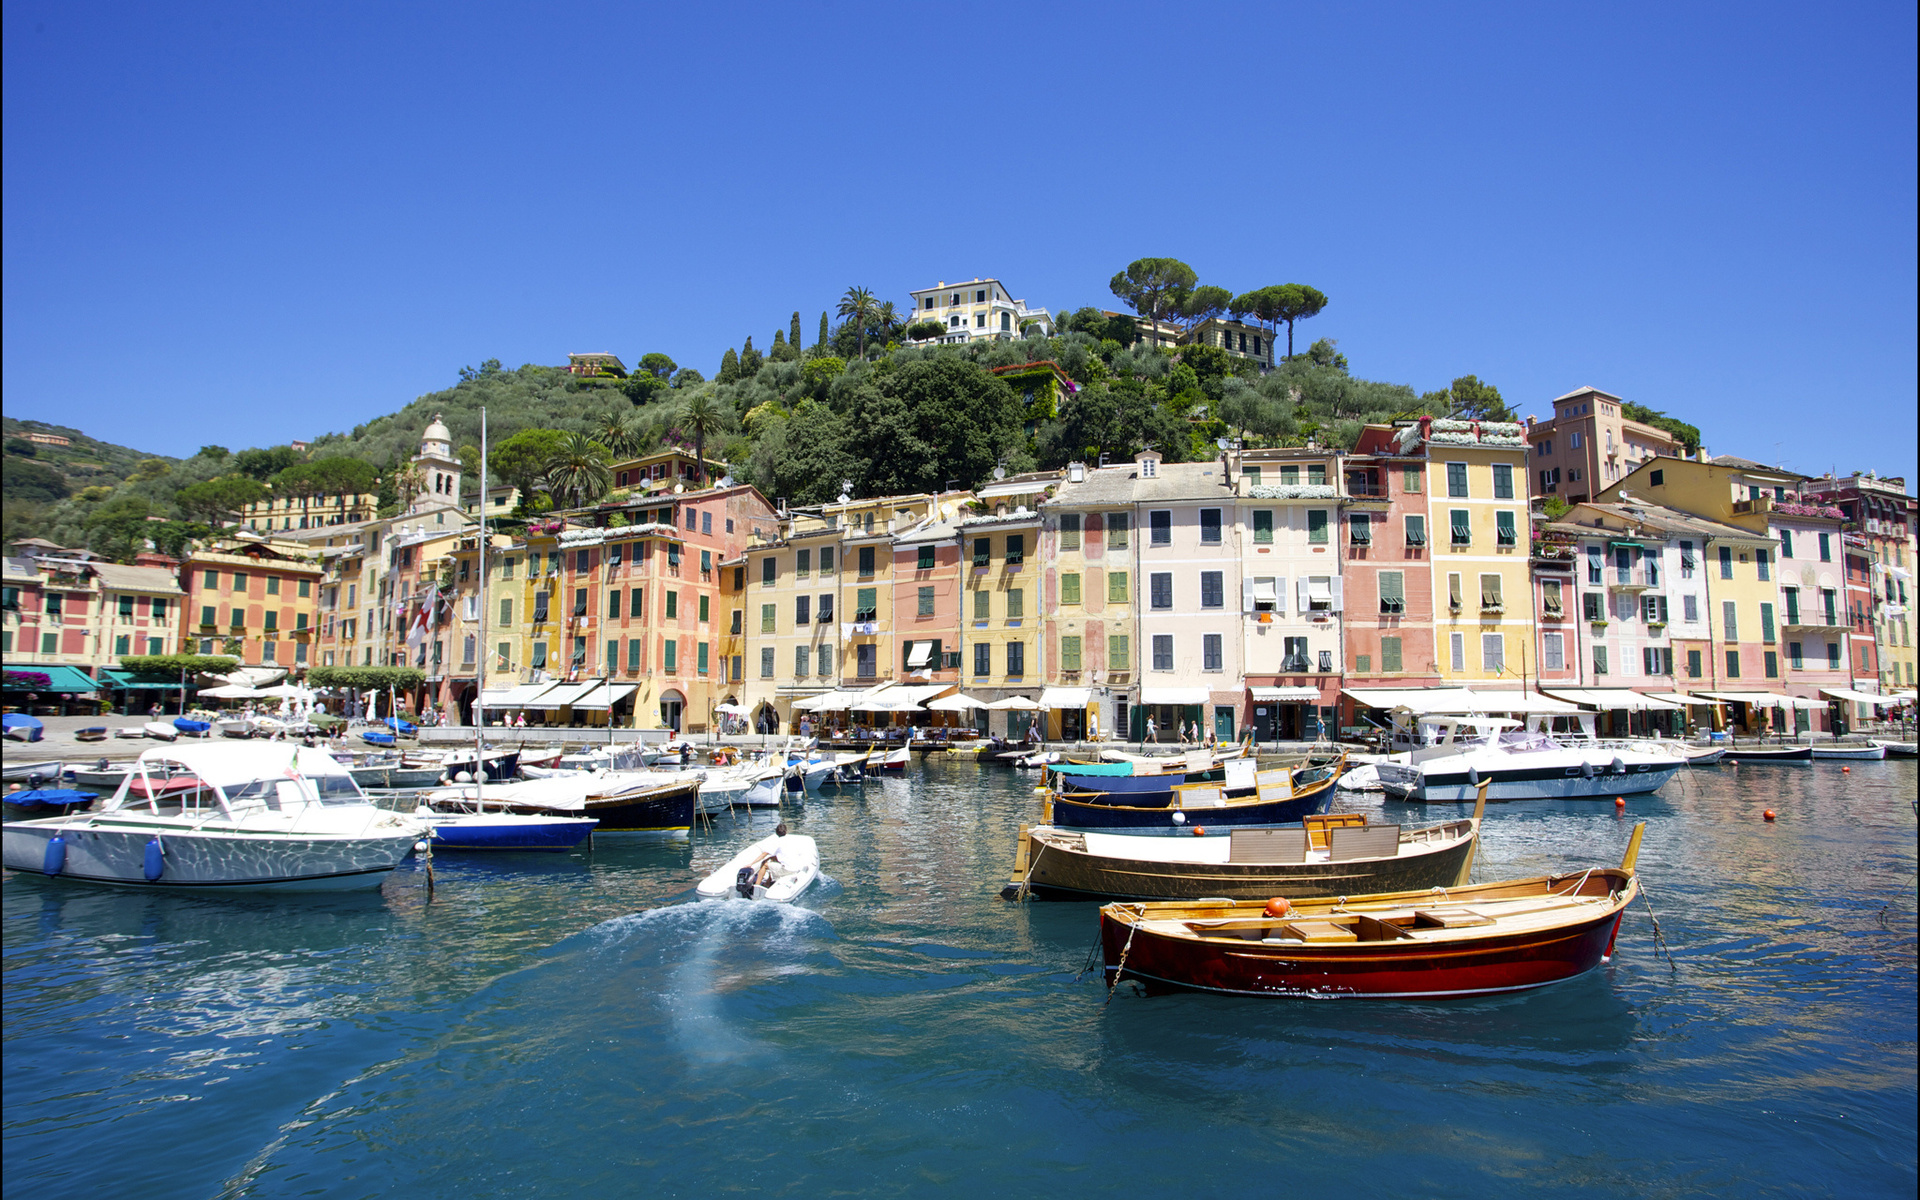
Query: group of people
[(1192, 733)]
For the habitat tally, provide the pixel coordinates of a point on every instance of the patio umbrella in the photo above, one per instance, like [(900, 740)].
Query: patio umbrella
[(1020, 703), (958, 702), (229, 691), (282, 691), (732, 710)]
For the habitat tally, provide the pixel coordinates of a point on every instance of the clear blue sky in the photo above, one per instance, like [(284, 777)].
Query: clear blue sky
[(248, 223)]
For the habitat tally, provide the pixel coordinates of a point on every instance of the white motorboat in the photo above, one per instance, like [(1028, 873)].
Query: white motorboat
[(1363, 778), (778, 885), (1460, 752), (1871, 752), (235, 726), (262, 817), (725, 787), (160, 730), (1897, 749), (32, 772), (131, 731)]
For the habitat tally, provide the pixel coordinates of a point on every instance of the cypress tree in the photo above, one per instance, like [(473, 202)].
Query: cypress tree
[(825, 332), (793, 332), (729, 366), (779, 339)]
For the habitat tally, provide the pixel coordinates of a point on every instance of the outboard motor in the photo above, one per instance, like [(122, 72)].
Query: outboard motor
[(745, 883)]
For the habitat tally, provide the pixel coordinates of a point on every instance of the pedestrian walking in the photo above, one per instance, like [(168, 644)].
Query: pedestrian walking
[(1153, 734)]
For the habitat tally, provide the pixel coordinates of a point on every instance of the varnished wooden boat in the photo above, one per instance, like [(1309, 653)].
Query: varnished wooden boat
[(1280, 797), (1339, 854), (1463, 941)]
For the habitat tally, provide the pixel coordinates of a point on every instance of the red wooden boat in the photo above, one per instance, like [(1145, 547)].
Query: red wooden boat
[(1444, 942)]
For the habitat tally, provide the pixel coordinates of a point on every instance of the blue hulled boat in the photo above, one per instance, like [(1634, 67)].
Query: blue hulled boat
[(1280, 797)]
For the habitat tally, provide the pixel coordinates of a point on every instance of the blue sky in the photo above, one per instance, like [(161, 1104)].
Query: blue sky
[(246, 224)]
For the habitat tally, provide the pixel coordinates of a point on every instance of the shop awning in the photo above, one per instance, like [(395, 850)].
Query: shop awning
[(1458, 701), (1012, 704), (562, 695), (515, 697), (1684, 700), (606, 697), (1768, 699), (72, 679), (1853, 697), (1065, 697), (1611, 699), (958, 702), (1174, 695), (826, 702), (120, 681), (1285, 695)]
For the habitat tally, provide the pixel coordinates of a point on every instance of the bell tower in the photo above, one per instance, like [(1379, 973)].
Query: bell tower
[(439, 469)]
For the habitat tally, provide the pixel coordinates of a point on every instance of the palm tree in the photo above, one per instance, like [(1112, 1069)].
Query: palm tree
[(701, 418), (887, 319), (857, 306), (618, 432), (579, 470), (409, 481)]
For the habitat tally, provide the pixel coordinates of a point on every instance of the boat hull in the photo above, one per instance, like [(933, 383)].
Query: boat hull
[(99, 852), (1057, 873), (511, 832), (1503, 960), (27, 772), (1899, 749), (1461, 786), (1069, 812), (1851, 753), (667, 811), (1786, 754)]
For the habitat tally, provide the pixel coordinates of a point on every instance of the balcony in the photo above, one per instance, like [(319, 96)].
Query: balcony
[(1756, 506), (1631, 580)]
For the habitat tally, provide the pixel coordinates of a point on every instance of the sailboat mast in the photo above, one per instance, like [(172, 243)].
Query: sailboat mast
[(480, 674)]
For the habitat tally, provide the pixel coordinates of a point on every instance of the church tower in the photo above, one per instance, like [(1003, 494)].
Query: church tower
[(439, 469)]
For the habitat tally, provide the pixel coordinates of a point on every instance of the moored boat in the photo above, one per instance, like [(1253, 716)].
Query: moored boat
[(30, 772), (1445, 942), (1519, 764), (1871, 752), (623, 802), (504, 830), (1280, 797), (1770, 754), (1333, 855), (193, 728), (41, 801), (1898, 749), (160, 731), (21, 727), (92, 733), (892, 762)]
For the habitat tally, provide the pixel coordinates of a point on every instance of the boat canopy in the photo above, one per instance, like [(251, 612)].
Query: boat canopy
[(1285, 695), (1612, 699), (272, 775), (1065, 697), (1768, 699), (1853, 697), (1174, 695)]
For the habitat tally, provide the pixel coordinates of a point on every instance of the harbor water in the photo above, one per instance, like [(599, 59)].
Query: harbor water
[(578, 1025)]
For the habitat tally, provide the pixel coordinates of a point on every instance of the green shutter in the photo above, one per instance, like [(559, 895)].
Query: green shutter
[(1070, 654), (1117, 587), (1390, 654), (1070, 588), (1263, 525), (1119, 653), (1317, 526)]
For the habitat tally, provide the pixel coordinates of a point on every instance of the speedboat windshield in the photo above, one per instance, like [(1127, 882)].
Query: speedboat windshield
[(283, 792)]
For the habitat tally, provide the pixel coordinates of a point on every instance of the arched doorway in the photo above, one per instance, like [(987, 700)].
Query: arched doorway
[(672, 705), (766, 719)]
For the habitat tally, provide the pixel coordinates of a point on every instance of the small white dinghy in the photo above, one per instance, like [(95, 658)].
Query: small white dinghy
[(781, 883), (1871, 752), (161, 730)]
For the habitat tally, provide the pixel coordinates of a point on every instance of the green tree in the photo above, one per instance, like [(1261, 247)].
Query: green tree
[(826, 332), (729, 367), (118, 528), (687, 377), (25, 479), (857, 306), (1687, 435), (793, 330), (217, 501), (265, 464), (522, 459), (174, 664), (937, 419), (1288, 302), (174, 538), (20, 446), (1154, 287), (750, 360), (921, 331), (150, 468), (1326, 353), (1470, 400), (700, 418), (658, 365), (212, 452), (579, 471), (1206, 301), (619, 432)]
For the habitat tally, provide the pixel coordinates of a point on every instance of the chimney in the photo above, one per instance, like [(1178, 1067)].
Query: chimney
[(1076, 472)]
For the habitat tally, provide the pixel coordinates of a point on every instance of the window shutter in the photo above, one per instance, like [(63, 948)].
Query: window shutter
[(1302, 599), (1246, 593), (1280, 596), (1339, 592)]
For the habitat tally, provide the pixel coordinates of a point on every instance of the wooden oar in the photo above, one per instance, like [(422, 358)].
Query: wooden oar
[(1479, 811)]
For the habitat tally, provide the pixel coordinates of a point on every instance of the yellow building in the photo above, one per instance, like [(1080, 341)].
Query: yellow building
[(1476, 485), (790, 618)]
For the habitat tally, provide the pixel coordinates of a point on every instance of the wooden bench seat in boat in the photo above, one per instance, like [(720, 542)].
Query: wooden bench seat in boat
[(1318, 825), (1346, 842), (1200, 795), (1268, 846)]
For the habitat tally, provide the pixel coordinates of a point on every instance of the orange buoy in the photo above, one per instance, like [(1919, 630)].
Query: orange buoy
[(1768, 814), (1846, 770), (1199, 831), (1619, 801), (1278, 907)]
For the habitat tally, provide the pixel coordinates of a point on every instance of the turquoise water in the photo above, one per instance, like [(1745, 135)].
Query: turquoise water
[(577, 1025)]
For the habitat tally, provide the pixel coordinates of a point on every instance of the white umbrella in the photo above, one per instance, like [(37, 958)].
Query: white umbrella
[(1014, 702), (875, 705), (282, 691), (958, 702), (732, 710), (229, 691)]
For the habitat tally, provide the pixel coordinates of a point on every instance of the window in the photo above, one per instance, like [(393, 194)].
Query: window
[(212, 579), (272, 620), (980, 605), (1160, 528), (1461, 523), (582, 561), (1252, 473), (1686, 560), (706, 561), (1016, 604), (866, 604), (670, 656), (273, 585), (1574, 440), (239, 581), (1117, 530), (767, 568), (1493, 651), (1766, 622), (1070, 531), (580, 602), (1390, 654), (1070, 587), (1786, 543), (633, 655), (1826, 547), (802, 610), (539, 655), (1505, 534), (1733, 664), (1119, 652), (1410, 480), (1117, 592), (1553, 652), (1502, 481), (1290, 476), (1210, 652), (1792, 597), (1455, 593), (982, 658), (1016, 549), (823, 660), (1726, 562), (866, 562), (1210, 526), (208, 615), (1393, 592), (1360, 530), (1599, 660), (925, 602), (802, 660), (1761, 562), (982, 551), (1263, 526), (1694, 665), (802, 563), (826, 560), (126, 608), (1160, 587), (1654, 610), (613, 603), (1212, 591), (1833, 656), (1416, 531), (1069, 653), (1457, 479), (673, 605), (1769, 664), (1163, 652), (638, 601), (159, 607), (122, 644), (924, 560), (1317, 526), (1795, 657), (1729, 625), (506, 568), (1490, 598), (1016, 659), (1550, 602), (1293, 658)]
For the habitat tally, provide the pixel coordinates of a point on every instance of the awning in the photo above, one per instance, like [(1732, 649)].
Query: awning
[(1065, 697), (69, 679), (1420, 700), (119, 681), (606, 697), (1853, 697), (1683, 699), (1284, 695), (1609, 699), (825, 702), (918, 654), (1768, 699), (1174, 695), (958, 702), (562, 695), (1530, 703), (1019, 703), (515, 697)]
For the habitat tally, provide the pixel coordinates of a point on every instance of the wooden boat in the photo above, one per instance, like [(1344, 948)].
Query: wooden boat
[(1336, 854), (1280, 797), (92, 733), (1770, 754), (395, 775), (1461, 941), (623, 802), (1868, 753), (1898, 749)]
